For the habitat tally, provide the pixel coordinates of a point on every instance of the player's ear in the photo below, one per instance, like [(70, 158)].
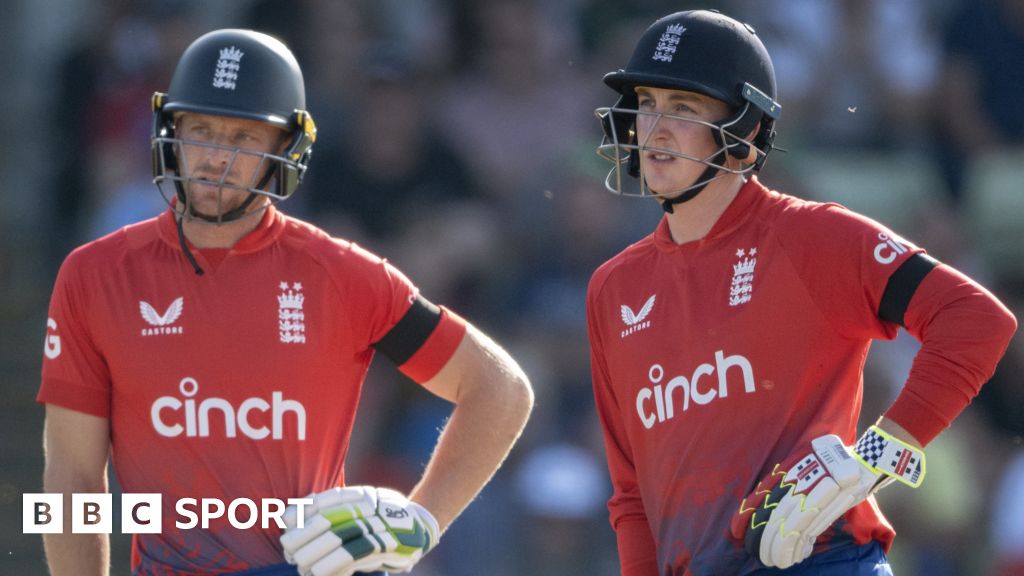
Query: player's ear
[(751, 156), (752, 153)]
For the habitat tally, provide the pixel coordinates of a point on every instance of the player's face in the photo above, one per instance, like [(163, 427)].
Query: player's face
[(220, 149), (667, 123)]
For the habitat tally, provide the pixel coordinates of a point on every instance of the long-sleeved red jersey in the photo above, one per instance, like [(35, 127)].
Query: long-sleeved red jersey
[(716, 359)]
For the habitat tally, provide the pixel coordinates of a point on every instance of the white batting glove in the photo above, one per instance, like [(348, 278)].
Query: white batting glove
[(822, 486), (358, 529)]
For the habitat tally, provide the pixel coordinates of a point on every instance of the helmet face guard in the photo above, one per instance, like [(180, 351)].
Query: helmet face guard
[(239, 74), (621, 146), (698, 51), (272, 173)]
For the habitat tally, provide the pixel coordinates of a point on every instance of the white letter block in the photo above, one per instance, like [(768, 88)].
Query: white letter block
[(92, 513), (141, 513), (42, 513)]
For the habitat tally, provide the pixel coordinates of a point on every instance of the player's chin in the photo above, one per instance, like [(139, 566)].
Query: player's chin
[(212, 210), (664, 187)]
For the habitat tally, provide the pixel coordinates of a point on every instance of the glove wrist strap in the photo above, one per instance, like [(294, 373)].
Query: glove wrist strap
[(885, 454)]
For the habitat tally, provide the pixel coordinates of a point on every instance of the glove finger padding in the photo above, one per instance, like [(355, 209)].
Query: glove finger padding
[(749, 522), (360, 528), (759, 520)]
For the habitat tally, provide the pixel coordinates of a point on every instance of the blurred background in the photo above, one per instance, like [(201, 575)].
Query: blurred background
[(457, 139)]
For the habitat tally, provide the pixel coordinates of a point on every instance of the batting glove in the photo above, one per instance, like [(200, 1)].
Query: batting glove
[(787, 511), (358, 529)]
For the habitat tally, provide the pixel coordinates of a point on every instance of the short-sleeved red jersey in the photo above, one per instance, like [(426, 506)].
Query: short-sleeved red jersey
[(716, 359), (242, 382)]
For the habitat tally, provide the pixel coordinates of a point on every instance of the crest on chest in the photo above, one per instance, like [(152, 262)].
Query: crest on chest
[(741, 288)]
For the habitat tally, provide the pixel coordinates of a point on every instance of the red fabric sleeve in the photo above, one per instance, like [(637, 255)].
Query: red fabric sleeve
[(438, 349), (391, 292), (637, 551), (636, 548), (74, 374), (845, 260), (964, 331)]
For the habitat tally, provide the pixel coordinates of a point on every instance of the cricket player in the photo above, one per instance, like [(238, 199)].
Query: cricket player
[(728, 346), (218, 351)]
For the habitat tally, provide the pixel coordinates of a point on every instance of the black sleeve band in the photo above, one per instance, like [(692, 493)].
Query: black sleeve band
[(406, 337), (902, 285)]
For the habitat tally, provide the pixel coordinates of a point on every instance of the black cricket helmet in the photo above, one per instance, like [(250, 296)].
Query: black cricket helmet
[(240, 74), (700, 51)]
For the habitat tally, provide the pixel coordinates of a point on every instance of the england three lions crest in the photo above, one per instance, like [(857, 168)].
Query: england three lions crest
[(291, 319), (741, 289)]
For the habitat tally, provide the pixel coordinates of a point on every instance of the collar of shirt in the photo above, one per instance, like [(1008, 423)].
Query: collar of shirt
[(738, 212), (270, 227)]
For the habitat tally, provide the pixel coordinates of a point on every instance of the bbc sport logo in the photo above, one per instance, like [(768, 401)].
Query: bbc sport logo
[(43, 513)]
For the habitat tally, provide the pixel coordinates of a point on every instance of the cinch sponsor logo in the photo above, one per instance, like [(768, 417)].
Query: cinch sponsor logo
[(167, 413), (888, 249), (93, 513), (664, 399)]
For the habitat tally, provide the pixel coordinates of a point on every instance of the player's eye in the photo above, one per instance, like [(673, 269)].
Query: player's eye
[(197, 131)]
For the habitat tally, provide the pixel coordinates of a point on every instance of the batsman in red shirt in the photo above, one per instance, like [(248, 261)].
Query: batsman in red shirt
[(728, 346), (219, 351)]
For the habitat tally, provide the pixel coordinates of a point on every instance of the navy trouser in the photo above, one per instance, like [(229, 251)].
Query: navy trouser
[(287, 570), (866, 560)]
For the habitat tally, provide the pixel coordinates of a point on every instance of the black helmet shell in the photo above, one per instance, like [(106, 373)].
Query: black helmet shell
[(701, 51), (240, 73)]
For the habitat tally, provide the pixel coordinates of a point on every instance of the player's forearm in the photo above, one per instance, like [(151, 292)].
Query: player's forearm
[(77, 554), (74, 554), (484, 425), (76, 448), (898, 431)]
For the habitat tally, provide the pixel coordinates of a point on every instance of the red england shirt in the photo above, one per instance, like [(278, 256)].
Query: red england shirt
[(243, 382), (716, 359)]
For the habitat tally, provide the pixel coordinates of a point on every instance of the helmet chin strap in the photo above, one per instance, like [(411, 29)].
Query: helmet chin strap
[(236, 213), (705, 178), (184, 246), (186, 211)]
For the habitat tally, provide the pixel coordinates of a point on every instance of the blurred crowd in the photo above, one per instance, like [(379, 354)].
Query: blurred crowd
[(456, 138)]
